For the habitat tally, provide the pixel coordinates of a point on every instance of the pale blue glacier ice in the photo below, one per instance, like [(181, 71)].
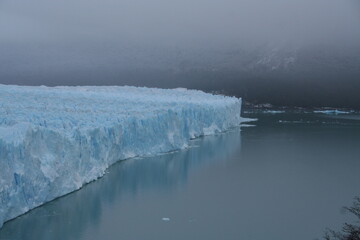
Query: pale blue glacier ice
[(55, 140)]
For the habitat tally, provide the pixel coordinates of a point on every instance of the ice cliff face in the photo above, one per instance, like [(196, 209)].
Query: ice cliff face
[(55, 140)]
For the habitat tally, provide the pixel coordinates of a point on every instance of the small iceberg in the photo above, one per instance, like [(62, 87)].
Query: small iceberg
[(332, 112), (273, 111)]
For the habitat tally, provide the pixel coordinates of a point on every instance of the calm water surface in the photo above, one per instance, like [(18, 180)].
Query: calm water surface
[(286, 177)]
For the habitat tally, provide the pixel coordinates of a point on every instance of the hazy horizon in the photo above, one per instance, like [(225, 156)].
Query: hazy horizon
[(231, 46)]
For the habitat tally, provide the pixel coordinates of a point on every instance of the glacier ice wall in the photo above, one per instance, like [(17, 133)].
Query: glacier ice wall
[(55, 140)]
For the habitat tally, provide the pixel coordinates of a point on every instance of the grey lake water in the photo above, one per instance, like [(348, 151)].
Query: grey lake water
[(286, 176)]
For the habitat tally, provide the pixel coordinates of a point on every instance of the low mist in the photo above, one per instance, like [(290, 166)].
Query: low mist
[(286, 52)]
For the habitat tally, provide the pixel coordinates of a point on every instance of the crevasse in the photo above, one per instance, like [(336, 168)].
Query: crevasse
[(55, 140)]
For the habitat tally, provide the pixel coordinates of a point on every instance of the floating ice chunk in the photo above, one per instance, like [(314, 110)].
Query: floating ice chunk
[(55, 140), (335, 112), (165, 219), (247, 120), (273, 111)]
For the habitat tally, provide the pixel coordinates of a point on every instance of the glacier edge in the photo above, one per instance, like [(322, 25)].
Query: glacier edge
[(55, 140)]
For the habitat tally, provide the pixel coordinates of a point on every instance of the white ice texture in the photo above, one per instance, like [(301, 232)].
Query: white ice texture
[(55, 140)]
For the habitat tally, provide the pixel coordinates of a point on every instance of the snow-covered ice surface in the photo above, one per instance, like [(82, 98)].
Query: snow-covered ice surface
[(55, 140)]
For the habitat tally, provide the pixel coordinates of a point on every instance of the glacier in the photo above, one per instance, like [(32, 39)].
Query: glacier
[(53, 140)]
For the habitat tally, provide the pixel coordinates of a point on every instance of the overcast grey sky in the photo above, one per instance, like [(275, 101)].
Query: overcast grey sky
[(179, 22), (226, 45)]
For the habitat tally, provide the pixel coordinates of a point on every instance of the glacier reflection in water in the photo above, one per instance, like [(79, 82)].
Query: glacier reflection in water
[(70, 216)]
